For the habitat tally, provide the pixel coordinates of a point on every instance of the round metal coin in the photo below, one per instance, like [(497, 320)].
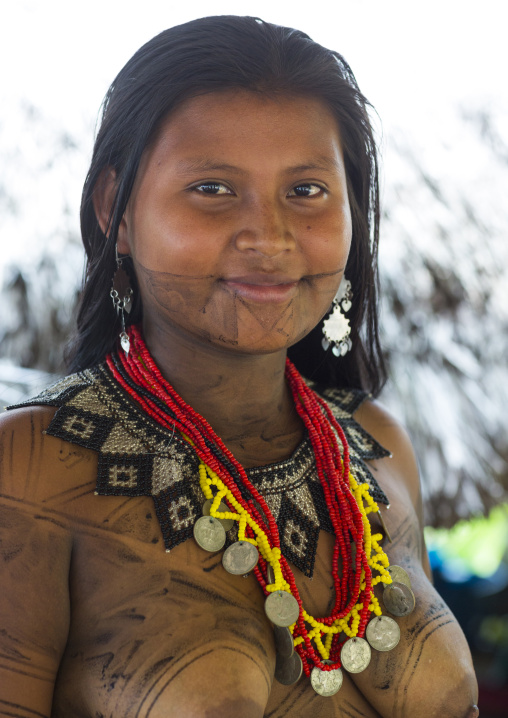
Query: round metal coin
[(240, 558), (209, 533), (288, 670), (326, 683), (399, 575), (383, 633), (398, 599), (355, 655), (227, 523), (284, 644), (282, 608)]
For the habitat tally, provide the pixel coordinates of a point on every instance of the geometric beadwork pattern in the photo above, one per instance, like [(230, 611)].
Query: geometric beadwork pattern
[(83, 427), (298, 536), (121, 474), (138, 457)]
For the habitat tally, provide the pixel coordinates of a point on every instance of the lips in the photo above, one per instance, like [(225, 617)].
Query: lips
[(263, 288)]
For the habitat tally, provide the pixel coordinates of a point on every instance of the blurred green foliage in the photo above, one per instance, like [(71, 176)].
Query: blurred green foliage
[(477, 546)]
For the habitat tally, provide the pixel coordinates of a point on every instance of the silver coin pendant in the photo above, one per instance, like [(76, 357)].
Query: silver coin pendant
[(284, 644), (326, 683), (355, 655), (398, 599), (227, 523), (399, 575), (240, 558), (288, 670), (209, 533), (383, 633), (282, 608)]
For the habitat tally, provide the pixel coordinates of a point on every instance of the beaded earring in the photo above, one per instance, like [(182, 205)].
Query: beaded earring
[(121, 293), (336, 328)]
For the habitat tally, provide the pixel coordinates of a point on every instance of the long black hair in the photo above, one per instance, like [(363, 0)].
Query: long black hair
[(219, 53)]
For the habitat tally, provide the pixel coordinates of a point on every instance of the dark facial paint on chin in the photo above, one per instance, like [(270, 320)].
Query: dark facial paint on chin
[(176, 299), (171, 300), (269, 324), (230, 321), (167, 298)]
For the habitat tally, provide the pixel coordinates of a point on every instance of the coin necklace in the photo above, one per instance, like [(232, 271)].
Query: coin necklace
[(225, 484)]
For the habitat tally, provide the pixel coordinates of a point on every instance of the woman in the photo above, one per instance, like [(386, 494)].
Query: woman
[(233, 186)]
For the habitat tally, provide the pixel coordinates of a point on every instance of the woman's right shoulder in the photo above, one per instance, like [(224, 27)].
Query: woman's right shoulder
[(36, 540), (26, 421), (22, 446), (33, 464)]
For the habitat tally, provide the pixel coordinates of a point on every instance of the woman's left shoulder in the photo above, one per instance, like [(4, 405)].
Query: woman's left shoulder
[(430, 672), (399, 477), (402, 464)]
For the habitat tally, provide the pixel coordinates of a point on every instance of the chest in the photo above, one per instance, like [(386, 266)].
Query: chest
[(149, 628)]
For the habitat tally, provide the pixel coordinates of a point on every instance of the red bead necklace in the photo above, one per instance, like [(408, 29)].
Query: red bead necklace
[(332, 466)]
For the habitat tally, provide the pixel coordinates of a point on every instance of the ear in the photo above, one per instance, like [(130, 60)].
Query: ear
[(103, 198)]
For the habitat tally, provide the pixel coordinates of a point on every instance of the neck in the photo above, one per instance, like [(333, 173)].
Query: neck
[(245, 398)]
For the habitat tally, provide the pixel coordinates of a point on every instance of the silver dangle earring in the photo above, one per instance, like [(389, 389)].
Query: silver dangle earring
[(121, 293), (336, 328)]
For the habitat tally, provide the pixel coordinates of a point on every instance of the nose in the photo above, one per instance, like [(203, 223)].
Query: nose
[(265, 229)]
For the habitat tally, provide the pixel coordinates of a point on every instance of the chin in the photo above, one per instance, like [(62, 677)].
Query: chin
[(263, 346)]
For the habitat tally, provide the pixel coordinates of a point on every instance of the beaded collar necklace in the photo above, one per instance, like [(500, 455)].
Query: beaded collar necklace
[(315, 645)]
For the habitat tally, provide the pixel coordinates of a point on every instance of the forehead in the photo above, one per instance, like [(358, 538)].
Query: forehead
[(244, 123)]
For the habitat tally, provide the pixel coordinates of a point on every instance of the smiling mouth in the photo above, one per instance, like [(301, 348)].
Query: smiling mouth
[(261, 291)]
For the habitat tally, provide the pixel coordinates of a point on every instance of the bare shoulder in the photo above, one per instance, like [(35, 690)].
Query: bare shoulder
[(35, 553), (390, 433), (22, 444), (26, 421), (33, 473), (33, 463), (430, 672), (399, 477), (26, 418), (378, 421)]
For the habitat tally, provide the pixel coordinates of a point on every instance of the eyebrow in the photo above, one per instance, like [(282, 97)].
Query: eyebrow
[(204, 165), (322, 163), (192, 165)]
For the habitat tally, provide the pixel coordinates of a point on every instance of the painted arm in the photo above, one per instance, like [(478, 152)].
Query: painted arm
[(35, 552), (430, 673)]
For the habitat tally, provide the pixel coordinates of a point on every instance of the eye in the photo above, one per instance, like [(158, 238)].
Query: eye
[(211, 188), (306, 190)]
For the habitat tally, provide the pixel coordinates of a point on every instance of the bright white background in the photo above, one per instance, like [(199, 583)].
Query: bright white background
[(409, 57)]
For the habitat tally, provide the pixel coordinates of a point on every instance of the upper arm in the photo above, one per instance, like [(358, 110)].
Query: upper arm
[(35, 549), (430, 672), (399, 476)]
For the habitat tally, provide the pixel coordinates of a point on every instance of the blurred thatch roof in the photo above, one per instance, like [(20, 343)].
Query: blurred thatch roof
[(444, 266)]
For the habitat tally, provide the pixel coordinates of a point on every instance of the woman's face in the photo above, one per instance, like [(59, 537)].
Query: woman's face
[(239, 224)]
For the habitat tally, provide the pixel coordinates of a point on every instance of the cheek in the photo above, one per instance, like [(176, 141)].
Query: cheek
[(183, 251), (327, 254), (175, 292), (163, 235), (327, 243)]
